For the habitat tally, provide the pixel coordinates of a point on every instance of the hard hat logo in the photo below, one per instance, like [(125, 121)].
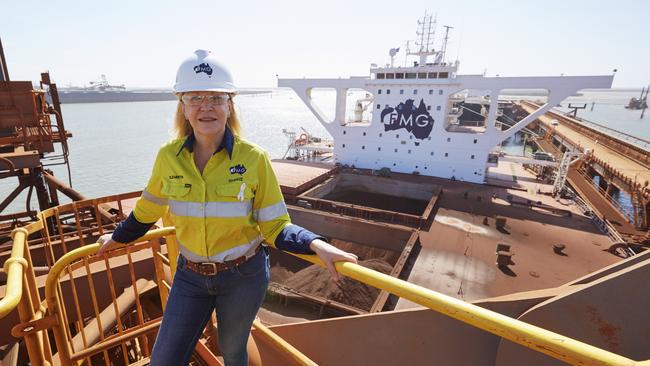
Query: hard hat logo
[(204, 67)]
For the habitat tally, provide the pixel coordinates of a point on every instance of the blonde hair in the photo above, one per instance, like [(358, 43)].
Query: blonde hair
[(182, 127)]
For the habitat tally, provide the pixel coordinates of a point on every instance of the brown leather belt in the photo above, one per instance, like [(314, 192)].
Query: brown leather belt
[(212, 268)]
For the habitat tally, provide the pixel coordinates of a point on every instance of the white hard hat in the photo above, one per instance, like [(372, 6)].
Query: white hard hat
[(202, 72)]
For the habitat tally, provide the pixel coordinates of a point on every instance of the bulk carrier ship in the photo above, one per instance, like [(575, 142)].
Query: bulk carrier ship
[(102, 91), (476, 268)]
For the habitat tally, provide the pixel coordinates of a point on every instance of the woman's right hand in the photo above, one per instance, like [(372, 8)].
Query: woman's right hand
[(107, 242)]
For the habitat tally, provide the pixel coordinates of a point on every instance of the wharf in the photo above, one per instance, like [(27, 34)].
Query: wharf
[(618, 162), (606, 148)]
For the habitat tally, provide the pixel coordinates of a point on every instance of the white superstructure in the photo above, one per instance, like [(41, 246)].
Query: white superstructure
[(414, 123)]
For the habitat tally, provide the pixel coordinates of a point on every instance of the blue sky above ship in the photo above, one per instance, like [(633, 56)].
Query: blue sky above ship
[(141, 43)]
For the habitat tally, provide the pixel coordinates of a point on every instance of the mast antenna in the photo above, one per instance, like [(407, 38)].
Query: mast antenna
[(444, 43), (426, 32)]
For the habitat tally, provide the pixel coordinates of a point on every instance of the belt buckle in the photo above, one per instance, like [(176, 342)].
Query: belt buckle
[(215, 269)]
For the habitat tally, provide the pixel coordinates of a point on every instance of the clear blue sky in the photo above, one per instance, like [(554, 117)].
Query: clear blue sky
[(140, 43)]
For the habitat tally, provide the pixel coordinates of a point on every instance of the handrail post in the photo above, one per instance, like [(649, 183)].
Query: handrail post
[(27, 313)]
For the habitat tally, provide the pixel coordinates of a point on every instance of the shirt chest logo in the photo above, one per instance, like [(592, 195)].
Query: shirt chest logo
[(238, 169)]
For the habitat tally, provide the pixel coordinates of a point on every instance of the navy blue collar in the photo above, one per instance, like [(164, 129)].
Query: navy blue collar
[(227, 143)]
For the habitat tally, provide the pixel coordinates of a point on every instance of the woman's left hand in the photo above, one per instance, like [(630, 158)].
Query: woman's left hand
[(330, 254)]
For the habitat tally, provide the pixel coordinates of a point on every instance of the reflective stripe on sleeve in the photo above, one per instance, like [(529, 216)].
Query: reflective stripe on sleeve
[(270, 212), (154, 199), (210, 209), (246, 249)]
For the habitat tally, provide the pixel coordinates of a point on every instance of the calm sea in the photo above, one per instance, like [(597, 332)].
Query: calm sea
[(114, 144)]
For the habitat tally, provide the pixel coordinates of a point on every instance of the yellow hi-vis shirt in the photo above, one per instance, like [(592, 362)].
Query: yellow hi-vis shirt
[(223, 213)]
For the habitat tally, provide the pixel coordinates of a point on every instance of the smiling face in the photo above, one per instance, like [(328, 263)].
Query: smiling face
[(207, 118)]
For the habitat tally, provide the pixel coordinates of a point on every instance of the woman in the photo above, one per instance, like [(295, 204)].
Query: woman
[(225, 201)]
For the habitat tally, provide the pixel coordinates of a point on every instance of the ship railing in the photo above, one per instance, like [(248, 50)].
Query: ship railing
[(96, 309), (79, 328)]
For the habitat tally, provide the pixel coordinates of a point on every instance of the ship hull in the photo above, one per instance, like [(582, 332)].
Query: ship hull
[(107, 97)]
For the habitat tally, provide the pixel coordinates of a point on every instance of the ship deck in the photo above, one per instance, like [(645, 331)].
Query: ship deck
[(458, 248)]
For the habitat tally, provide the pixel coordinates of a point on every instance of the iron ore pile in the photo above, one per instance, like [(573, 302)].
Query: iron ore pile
[(316, 280)]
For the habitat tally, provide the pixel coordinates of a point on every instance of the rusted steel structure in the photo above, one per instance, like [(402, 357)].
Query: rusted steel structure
[(30, 141)]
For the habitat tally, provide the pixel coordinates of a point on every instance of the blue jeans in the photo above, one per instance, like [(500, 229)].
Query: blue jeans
[(236, 294)]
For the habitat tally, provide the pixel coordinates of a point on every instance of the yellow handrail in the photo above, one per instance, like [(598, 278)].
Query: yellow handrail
[(276, 340), (15, 268), (552, 344)]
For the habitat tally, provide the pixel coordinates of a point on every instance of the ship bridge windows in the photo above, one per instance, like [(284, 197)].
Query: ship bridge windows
[(433, 75), (411, 75), (381, 75), (422, 75), (399, 75), (390, 75), (443, 75)]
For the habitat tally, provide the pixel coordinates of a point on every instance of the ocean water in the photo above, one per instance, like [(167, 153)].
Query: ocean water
[(114, 144), (608, 110)]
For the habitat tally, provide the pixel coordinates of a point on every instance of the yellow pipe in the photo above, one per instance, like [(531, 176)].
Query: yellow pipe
[(293, 352), (15, 267), (552, 344), (71, 256)]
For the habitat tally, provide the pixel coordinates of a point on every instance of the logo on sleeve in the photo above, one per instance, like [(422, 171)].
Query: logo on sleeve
[(237, 169), (204, 67)]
